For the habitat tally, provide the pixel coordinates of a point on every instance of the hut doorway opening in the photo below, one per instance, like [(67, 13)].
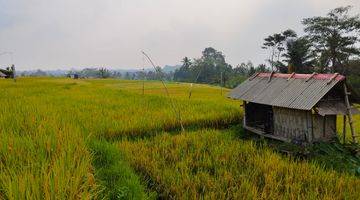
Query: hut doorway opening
[(259, 117)]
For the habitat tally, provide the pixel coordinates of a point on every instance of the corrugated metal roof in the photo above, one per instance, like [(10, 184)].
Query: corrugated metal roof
[(301, 91)]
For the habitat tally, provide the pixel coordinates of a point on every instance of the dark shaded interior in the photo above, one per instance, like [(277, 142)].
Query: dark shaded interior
[(335, 94), (260, 117)]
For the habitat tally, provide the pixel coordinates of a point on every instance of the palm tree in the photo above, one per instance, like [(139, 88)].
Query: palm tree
[(186, 62)]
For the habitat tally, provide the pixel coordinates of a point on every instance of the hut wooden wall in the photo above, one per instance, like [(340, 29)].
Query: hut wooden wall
[(293, 124), (324, 127)]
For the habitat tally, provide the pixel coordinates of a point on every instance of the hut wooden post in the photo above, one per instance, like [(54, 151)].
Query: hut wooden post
[(244, 111), (344, 129), (349, 113), (244, 117)]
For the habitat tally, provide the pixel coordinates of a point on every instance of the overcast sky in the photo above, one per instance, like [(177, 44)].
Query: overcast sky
[(61, 34)]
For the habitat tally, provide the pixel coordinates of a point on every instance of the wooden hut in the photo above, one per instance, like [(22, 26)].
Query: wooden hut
[(299, 108), (2, 75)]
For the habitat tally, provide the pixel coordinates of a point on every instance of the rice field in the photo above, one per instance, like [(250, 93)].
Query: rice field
[(110, 139), (46, 124), (213, 164)]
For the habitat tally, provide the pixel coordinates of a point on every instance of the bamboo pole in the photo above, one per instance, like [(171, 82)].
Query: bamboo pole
[(349, 113)]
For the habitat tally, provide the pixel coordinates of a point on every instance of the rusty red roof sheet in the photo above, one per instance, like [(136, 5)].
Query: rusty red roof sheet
[(338, 77)]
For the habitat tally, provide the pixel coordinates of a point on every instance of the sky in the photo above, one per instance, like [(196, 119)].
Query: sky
[(65, 34)]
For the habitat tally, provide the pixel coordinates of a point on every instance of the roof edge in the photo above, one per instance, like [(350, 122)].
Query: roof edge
[(335, 76)]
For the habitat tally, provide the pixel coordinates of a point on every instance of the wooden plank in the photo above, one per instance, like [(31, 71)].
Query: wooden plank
[(262, 133), (271, 74), (332, 78), (254, 76), (312, 75), (349, 113), (291, 75)]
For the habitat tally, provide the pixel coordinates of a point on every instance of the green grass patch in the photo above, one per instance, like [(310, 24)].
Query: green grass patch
[(115, 176)]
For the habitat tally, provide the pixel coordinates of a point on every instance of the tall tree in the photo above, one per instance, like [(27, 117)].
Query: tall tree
[(299, 56), (127, 76), (186, 62), (212, 64), (334, 36), (275, 44), (261, 68), (104, 73), (183, 73)]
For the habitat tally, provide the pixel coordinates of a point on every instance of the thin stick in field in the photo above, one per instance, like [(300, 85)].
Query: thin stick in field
[(166, 90)]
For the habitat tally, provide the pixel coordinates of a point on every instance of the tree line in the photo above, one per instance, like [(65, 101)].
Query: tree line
[(211, 68), (330, 44), (103, 72)]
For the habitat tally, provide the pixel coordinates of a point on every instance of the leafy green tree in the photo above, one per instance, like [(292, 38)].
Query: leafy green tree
[(89, 72), (261, 68), (186, 62), (104, 73), (275, 44), (354, 67), (240, 70), (210, 68), (183, 73), (127, 76), (334, 37), (251, 68), (213, 55), (159, 72), (212, 64), (299, 56)]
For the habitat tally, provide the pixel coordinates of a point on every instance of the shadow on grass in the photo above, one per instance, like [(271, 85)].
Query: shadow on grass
[(136, 134)]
